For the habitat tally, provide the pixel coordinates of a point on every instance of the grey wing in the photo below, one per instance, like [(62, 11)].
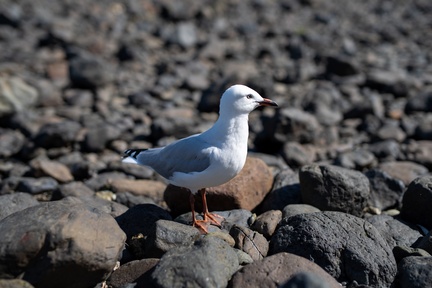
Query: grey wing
[(187, 155)]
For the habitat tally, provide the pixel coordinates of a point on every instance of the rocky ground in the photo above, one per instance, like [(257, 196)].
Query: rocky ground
[(337, 188)]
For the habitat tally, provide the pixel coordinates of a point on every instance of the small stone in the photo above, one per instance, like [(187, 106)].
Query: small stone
[(16, 95), (54, 169), (267, 222), (11, 142), (295, 209), (249, 241)]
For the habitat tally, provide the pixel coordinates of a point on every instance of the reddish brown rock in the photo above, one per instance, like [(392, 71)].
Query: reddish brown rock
[(405, 171), (245, 191), (54, 169), (274, 270)]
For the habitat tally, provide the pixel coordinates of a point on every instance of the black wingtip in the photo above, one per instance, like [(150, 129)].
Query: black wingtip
[(132, 153)]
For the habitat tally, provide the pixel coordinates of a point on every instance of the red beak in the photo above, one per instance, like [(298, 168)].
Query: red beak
[(268, 102)]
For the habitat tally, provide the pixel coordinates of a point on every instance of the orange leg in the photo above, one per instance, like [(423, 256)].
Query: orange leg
[(196, 223), (209, 217)]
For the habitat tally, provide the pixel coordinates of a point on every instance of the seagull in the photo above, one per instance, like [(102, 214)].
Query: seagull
[(210, 158)]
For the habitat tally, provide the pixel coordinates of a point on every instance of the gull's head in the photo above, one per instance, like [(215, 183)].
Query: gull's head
[(240, 99)]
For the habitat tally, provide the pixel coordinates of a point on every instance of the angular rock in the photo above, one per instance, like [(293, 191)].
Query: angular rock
[(53, 237), (386, 191), (167, 235), (347, 247), (245, 191), (249, 241), (141, 219), (274, 270), (414, 272), (267, 222), (286, 190), (133, 273), (334, 188), (395, 231), (416, 202), (213, 261), (425, 242), (15, 202)]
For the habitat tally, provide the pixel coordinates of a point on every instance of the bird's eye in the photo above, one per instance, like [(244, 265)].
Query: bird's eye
[(249, 96)]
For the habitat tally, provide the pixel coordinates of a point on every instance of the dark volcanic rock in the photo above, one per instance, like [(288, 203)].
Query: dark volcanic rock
[(334, 188), (57, 134), (12, 203), (414, 272), (53, 237), (213, 260), (395, 231), (286, 190), (141, 219), (135, 272), (274, 270), (348, 248), (167, 235), (416, 202), (386, 191)]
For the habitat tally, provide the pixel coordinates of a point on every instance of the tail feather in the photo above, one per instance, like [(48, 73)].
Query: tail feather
[(130, 155)]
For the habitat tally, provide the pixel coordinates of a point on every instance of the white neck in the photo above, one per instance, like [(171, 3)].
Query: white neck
[(236, 126)]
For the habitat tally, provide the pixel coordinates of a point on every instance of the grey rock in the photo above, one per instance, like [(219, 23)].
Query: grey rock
[(37, 185), (213, 260), (348, 248), (386, 149), (16, 95), (295, 209), (305, 280), (297, 155), (420, 102), (59, 134), (249, 241), (341, 66), (386, 191), (11, 142), (102, 180), (395, 231), (286, 190), (76, 189), (329, 187), (141, 219), (167, 235), (267, 222), (135, 273), (130, 200), (276, 269), (54, 237), (404, 170), (401, 252), (15, 202), (425, 242), (358, 159), (416, 200), (415, 272), (90, 72)]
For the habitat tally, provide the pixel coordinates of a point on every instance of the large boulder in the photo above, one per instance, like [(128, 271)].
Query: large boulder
[(347, 247), (59, 244)]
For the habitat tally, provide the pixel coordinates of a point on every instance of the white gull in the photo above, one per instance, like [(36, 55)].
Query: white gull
[(208, 159)]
